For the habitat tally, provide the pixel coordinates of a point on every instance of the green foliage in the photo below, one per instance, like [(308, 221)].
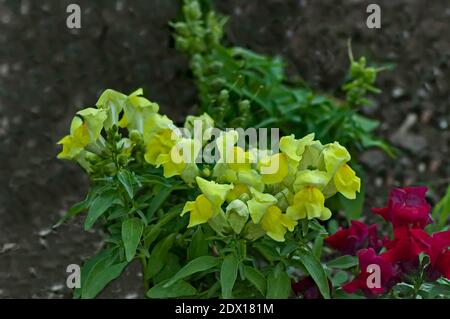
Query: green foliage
[(228, 275), (315, 269), (241, 88), (278, 284), (441, 211)]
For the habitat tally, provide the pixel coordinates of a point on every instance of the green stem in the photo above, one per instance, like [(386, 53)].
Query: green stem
[(144, 267)]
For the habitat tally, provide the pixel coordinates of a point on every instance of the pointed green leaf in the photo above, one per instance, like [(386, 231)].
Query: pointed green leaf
[(278, 284), (158, 256), (98, 207), (256, 278), (343, 262), (98, 271), (316, 271), (198, 246), (126, 179), (179, 289), (131, 235), (228, 275), (197, 265)]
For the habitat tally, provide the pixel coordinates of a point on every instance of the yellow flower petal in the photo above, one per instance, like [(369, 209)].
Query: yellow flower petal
[(259, 204), (237, 191), (346, 181), (334, 156), (309, 202), (123, 121), (200, 125), (315, 178), (93, 119), (240, 160), (215, 193), (275, 223), (160, 143), (294, 148), (170, 167), (201, 210), (73, 144), (274, 168)]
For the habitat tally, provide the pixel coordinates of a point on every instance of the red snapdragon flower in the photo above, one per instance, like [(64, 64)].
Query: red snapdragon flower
[(406, 206), (439, 254), (357, 236), (407, 244), (387, 274)]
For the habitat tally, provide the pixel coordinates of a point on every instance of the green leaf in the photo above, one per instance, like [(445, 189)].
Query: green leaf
[(404, 289), (131, 236), (368, 125), (83, 205), (150, 234), (157, 201), (268, 252), (339, 278), (441, 210), (256, 278), (158, 256), (278, 284), (99, 207), (317, 247), (88, 265), (197, 265), (228, 275), (170, 268), (343, 262), (98, 272), (316, 271), (290, 247), (126, 179), (371, 141), (198, 246), (179, 289)]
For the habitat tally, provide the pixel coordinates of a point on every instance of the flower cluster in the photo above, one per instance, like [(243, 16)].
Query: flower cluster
[(242, 189), (408, 212), (267, 193)]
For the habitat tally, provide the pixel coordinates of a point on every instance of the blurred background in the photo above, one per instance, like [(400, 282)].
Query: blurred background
[(48, 72)]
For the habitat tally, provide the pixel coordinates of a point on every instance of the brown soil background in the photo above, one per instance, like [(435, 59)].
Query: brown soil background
[(47, 72)]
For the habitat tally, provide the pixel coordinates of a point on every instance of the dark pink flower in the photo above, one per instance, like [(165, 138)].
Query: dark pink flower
[(357, 236), (406, 207), (407, 245), (439, 254), (366, 258)]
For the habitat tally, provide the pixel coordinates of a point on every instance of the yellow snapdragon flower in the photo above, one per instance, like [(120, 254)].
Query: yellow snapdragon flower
[(294, 148), (309, 202), (346, 181), (113, 102), (276, 224), (274, 168), (344, 178), (263, 210), (201, 210), (74, 143), (181, 160), (85, 129), (137, 110), (208, 203)]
